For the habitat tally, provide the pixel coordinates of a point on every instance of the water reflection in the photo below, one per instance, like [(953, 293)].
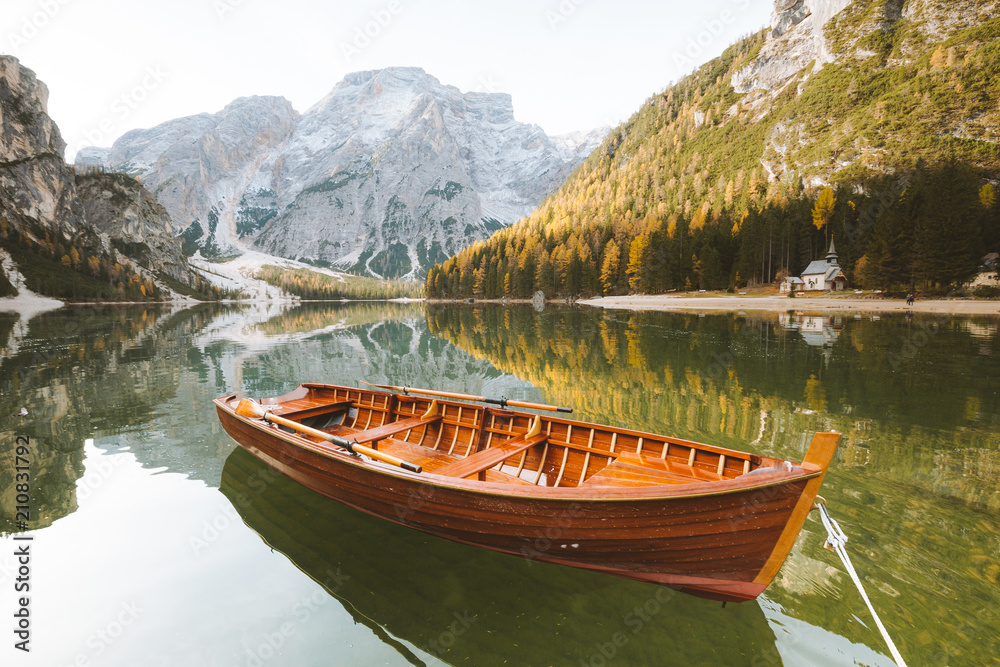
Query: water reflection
[(816, 330), (914, 484), (907, 395), (147, 374), (471, 606), (915, 480)]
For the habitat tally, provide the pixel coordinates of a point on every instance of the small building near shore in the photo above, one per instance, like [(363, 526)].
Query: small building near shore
[(790, 283), (822, 275)]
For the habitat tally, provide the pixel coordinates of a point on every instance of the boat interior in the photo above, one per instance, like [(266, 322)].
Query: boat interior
[(465, 440)]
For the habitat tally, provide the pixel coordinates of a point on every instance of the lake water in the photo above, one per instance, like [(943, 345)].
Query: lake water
[(157, 541)]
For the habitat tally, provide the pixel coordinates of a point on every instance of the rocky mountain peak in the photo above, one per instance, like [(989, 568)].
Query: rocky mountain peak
[(255, 108), (390, 172), (795, 40), (26, 131), (405, 75)]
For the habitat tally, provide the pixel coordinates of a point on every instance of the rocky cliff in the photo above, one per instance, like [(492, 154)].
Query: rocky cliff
[(67, 230), (35, 183), (117, 207), (389, 173), (795, 40)]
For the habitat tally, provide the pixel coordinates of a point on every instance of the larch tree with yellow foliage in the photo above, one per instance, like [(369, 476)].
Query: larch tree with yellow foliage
[(823, 211), (609, 268)]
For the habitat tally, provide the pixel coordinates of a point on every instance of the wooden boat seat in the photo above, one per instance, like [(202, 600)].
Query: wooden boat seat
[(685, 473), (425, 457), (631, 469), (487, 458), (304, 409), (386, 430), (432, 460), (627, 474)]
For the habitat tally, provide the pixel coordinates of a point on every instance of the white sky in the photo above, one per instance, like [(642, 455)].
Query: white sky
[(114, 65)]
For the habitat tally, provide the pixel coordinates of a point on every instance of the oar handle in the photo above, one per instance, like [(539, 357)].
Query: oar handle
[(503, 402), (349, 445), (355, 448)]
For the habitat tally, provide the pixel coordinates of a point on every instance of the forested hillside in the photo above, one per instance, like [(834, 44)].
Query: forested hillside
[(890, 149)]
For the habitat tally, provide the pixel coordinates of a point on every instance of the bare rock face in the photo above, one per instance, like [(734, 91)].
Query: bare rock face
[(36, 183), (388, 174), (938, 20), (796, 39), (787, 15), (98, 213), (118, 207)]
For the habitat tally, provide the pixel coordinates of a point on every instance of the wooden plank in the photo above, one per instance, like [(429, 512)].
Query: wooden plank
[(658, 466), (541, 463), (621, 431), (306, 411), (586, 460), (454, 438), (428, 459), (562, 467), (487, 458), (624, 474), (391, 428)]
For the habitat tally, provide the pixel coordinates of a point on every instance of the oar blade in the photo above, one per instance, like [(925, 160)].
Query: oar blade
[(248, 408), (381, 386)]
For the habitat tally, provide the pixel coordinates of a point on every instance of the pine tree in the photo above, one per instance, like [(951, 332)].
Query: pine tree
[(947, 224)]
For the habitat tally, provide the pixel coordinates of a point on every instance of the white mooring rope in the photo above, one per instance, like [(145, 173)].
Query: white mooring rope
[(837, 539)]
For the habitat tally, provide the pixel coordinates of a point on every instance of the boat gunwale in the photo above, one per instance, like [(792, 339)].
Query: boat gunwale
[(695, 489)]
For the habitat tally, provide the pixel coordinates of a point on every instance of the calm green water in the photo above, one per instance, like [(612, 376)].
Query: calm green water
[(158, 542)]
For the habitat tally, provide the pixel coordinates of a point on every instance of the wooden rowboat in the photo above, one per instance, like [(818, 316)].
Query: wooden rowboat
[(713, 522)]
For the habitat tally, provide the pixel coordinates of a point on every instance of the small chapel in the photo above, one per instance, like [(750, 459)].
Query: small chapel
[(822, 275)]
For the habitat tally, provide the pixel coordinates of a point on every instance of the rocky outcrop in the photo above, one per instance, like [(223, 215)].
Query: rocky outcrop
[(44, 202), (818, 32), (138, 226), (35, 183), (796, 39), (389, 173), (200, 167), (807, 35)]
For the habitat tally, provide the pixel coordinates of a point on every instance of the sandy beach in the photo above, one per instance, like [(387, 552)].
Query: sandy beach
[(819, 304)]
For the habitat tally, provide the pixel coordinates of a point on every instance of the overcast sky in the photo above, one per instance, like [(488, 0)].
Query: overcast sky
[(114, 65)]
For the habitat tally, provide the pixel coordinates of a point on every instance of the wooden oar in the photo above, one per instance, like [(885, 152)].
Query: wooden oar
[(502, 402), (248, 408)]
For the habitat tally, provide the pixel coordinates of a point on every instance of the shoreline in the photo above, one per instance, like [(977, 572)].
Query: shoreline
[(783, 304), (28, 304)]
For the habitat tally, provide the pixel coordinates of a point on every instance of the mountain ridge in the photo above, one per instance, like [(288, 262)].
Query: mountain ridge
[(388, 173), (713, 185)]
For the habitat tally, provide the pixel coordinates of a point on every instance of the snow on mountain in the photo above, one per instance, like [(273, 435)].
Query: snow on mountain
[(388, 174)]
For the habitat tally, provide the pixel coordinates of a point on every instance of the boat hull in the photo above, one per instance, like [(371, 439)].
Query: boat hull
[(717, 541)]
